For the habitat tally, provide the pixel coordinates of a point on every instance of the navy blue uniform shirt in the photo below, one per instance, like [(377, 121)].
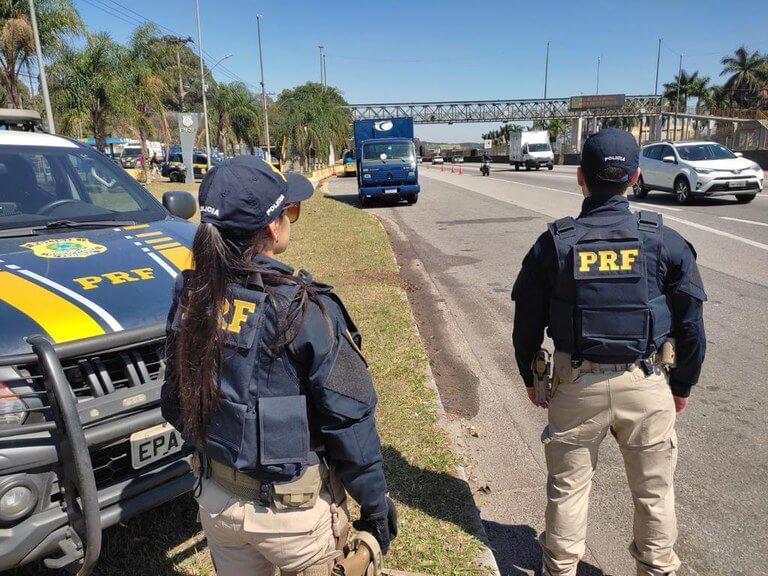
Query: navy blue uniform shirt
[(681, 280), (341, 415)]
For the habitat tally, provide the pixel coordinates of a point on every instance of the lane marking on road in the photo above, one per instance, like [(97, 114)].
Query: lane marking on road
[(744, 221), (709, 229)]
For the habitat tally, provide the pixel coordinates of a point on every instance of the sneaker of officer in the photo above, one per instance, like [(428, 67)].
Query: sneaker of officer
[(611, 286), (265, 377)]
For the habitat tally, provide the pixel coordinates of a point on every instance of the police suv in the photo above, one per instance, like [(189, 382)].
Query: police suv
[(87, 262)]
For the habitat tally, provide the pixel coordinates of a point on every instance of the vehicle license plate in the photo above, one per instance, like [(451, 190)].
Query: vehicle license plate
[(737, 184), (390, 191), (153, 444)]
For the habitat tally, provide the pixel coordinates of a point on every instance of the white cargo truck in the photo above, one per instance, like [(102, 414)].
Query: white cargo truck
[(530, 149)]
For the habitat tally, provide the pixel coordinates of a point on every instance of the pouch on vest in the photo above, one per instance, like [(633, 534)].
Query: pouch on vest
[(283, 430), (612, 313)]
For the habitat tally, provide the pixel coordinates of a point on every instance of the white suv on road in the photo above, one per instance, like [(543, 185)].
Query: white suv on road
[(690, 169)]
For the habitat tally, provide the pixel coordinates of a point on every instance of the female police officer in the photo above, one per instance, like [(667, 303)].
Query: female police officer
[(265, 378)]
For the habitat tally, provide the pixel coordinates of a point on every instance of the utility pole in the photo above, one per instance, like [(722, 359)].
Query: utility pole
[(204, 87), (177, 42), (597, 86), (677, 100), (546, 72), (325, 73), (322, 75), (658, 61), (263, 90), (41, 66)]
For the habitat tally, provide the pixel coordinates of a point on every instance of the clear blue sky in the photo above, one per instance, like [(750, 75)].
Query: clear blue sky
[(395, 51)]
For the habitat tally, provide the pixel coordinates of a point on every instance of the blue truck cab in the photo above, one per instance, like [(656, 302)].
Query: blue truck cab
[(386, 160)]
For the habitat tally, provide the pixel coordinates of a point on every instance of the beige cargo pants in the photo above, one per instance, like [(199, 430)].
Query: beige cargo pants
[(640, 413), (245, 538)]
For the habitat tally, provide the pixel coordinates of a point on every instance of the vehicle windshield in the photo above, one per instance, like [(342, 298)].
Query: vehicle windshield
[(539, 148), (43, 185), (131, 152), (694, 152), (389, 151)]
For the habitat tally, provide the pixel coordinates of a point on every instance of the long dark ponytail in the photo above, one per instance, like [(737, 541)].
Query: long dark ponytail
[(221, 259)]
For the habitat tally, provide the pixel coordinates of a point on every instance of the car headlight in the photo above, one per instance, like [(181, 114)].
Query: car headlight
[(756, 167), (703, 170), (411, 174), (367, 176), (13, 410)]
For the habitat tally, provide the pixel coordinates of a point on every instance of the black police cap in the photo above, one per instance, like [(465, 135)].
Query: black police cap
[(245, 193), (610, 147)]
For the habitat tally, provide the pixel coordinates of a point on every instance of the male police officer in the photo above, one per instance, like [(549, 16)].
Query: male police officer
[(612, 286)]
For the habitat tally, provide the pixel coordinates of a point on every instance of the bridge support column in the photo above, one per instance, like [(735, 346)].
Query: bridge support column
[(655, 135), (577, 127)]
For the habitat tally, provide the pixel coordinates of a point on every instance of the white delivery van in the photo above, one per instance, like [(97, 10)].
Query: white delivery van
[(530, 149)]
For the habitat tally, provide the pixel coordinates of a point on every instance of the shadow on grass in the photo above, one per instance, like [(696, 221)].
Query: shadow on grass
[(155, 543), (450, 499)]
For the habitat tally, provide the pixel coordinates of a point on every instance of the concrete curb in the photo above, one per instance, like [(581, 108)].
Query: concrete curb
[(487, 559)]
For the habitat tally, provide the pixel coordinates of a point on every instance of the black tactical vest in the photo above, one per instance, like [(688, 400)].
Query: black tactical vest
[(260, 426), (608, 305)]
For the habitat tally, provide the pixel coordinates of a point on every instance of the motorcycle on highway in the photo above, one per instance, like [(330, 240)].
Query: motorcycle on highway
[(485, 167)]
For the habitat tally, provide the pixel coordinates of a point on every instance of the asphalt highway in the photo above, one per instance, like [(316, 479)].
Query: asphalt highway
[(460, 249)]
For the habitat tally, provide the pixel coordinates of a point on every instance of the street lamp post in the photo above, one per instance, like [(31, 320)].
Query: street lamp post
[(597, 87), (322, 76), (41, 66), (546, 72), (677, 100), (202, 79), (263, 91)]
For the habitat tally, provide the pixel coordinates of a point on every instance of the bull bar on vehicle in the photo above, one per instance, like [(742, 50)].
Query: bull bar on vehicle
[(63, 443)]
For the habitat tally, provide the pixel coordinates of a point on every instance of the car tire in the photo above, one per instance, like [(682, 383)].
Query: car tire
[(639, 189), (538, 167), (363, 200), (517, 167), (550, 166), (745, 198), (413, 199), (683, 191), (174, 177), (528, 166)]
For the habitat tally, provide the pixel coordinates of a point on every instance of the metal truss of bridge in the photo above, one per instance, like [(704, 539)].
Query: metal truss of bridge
[(502, 110)]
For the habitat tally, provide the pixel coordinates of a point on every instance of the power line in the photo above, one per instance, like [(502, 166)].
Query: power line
[(134, 18)]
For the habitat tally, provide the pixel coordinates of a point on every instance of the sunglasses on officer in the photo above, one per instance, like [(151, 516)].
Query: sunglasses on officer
[(292, 211)]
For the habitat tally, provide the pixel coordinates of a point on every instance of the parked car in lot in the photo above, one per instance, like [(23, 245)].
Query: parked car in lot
[(88, 259), (697, 169), (175, 170), (438, 160), (458, 159)]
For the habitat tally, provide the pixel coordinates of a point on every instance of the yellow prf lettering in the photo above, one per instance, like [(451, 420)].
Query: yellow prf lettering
[(628, 256), (586, 259), (119, 277), (88, 282), (239, 316), (608, 261)]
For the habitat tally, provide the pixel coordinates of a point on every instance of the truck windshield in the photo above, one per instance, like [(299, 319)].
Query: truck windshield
[(43, 185), (539, 148), (384, 151), (696, 152)]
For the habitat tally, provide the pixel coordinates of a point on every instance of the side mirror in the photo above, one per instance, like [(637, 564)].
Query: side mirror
[(179, 203), (669, 160), (739, 154)]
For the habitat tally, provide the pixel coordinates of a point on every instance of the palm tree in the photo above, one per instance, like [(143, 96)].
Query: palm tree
[(57, 20), (748, 76), (236, 116), (85, 89), (310, 117), (143, 85)]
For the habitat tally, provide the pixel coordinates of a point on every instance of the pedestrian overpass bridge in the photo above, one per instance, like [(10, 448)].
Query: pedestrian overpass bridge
[(608, 106)]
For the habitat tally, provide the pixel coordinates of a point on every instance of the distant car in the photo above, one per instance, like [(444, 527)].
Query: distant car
[(175, 170), (419, 160), (457, 159), (437, 160), (349, 164), (691, 169)]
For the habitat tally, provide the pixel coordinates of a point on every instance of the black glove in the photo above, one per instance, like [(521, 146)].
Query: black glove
[(382, 524)]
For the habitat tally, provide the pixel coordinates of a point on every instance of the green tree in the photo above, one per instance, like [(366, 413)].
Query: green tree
[(236, 116), (86, 91), (309, 118), (58, 21), (143, 85), (748, 76)]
